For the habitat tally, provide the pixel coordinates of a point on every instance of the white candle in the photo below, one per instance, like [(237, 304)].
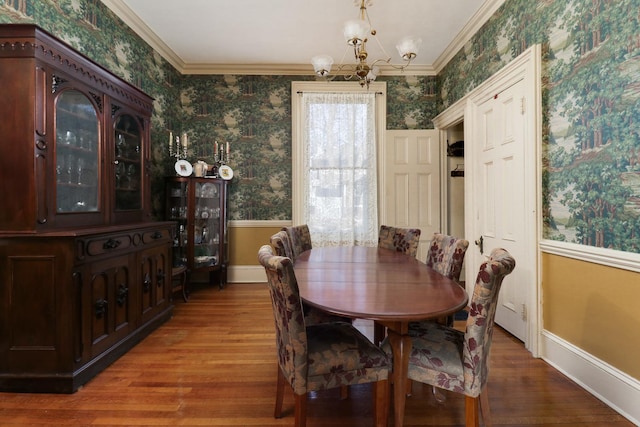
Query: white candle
[(227, 148), (184, 140), (215, 147)]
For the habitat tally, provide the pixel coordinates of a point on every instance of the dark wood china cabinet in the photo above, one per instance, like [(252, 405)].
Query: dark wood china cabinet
[(201, 243), (84, 270)]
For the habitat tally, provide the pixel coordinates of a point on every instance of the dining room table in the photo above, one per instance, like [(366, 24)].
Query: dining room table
[(388, 287)]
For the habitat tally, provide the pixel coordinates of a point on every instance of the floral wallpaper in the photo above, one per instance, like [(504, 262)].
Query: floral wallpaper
[(591, 159)]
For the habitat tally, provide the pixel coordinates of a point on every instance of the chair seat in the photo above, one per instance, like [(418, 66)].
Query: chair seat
[(436, 355), (356, 355), (436, 346)]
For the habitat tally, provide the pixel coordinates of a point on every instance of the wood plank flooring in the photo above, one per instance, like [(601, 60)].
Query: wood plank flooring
[(214, 364)]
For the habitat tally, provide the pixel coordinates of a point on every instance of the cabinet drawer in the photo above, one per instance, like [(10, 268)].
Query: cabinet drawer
[(108, 244), (158, 235)]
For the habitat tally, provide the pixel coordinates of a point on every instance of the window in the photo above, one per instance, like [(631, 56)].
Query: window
[(337, 128)]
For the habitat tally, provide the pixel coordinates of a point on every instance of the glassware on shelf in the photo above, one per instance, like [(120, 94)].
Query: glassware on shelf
[(120, 145), (80, 171)]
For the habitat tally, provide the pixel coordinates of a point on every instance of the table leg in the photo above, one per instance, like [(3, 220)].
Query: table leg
[(401, 348)]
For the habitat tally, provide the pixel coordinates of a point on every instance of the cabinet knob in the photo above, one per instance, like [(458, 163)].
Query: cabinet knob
[(123, 293), (100, 307), (111, 244), (146, 284), (160, 277)]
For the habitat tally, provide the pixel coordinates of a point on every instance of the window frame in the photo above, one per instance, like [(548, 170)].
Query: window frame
[(297, 135)]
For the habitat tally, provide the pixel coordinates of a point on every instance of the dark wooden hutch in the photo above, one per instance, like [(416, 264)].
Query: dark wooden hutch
[(84, 271)]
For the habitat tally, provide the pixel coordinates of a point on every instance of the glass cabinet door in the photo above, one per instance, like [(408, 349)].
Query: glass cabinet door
[(177, 202), (77, 159), (128, 163), (206, 224)]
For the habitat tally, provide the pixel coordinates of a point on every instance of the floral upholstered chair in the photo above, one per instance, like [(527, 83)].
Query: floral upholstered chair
[(300, 238), (403, 240), (459, 361), (282, 245), (318, 357), (446, 255)]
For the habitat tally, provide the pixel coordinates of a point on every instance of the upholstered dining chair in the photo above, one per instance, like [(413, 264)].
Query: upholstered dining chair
[(282, 245), (300, 238), (446, 255), (459, 361), (322, 356), (405, 240)]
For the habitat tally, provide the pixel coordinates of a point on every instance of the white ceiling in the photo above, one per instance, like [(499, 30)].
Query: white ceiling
[(281, 36)]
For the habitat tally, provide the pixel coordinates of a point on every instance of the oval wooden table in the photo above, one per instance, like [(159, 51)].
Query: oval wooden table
[(382, 285)]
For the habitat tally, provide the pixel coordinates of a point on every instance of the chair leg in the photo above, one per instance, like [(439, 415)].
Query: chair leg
[(485, 409), (381, 403), (277, 413), (344, 392), (378, 333), (300, 410), (471, 411)]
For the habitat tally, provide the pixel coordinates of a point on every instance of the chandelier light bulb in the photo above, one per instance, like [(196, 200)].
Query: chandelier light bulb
[(408, 47), (322, 64), (356, 31)]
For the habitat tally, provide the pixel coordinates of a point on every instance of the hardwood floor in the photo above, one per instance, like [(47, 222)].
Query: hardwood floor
[(214, 364)]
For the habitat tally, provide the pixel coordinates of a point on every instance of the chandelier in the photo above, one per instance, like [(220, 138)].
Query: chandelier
[(356, 33)]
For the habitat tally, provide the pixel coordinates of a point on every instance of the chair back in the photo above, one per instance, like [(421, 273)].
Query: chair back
[(291, 335), (405, 240), (480, 323), (300, 238), (446, 255), (282, 245)]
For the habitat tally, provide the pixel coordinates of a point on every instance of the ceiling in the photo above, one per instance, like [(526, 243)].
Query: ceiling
[(281, 36)]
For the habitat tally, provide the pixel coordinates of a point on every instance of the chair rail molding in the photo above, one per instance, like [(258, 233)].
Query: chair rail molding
[(603, 256)]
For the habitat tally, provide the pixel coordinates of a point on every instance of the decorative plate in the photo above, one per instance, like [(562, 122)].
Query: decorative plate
[(208, 190), (183, 168), (225, 172)]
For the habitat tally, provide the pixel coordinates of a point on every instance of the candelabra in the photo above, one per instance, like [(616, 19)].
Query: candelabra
[(177, 148), (221, 153)]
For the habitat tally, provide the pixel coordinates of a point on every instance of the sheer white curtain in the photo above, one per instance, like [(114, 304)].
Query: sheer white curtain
[(339, 168)]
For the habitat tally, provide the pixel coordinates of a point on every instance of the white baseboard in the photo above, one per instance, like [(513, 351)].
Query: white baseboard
[(246, 274), (615, 388)]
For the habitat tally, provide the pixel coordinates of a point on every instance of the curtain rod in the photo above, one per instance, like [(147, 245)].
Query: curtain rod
[(301, 92)]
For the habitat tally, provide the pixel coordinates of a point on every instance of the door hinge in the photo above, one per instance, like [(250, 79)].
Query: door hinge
[(522, 105), (524, 312)]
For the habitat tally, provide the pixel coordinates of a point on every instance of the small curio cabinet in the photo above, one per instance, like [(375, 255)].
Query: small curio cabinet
[(84, 270), (199, 205)]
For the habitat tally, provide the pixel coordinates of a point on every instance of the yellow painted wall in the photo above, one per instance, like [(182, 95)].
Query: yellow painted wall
[(594, 307), (244, 243)]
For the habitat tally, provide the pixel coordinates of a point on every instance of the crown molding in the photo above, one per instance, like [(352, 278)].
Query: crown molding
[(124, 12), (486, 11)]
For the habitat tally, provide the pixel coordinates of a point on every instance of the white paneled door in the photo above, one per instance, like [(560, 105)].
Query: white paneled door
[(411, 182), (504, 132)]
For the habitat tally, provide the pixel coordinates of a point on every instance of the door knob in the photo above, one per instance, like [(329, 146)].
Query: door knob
[(480, 243)]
